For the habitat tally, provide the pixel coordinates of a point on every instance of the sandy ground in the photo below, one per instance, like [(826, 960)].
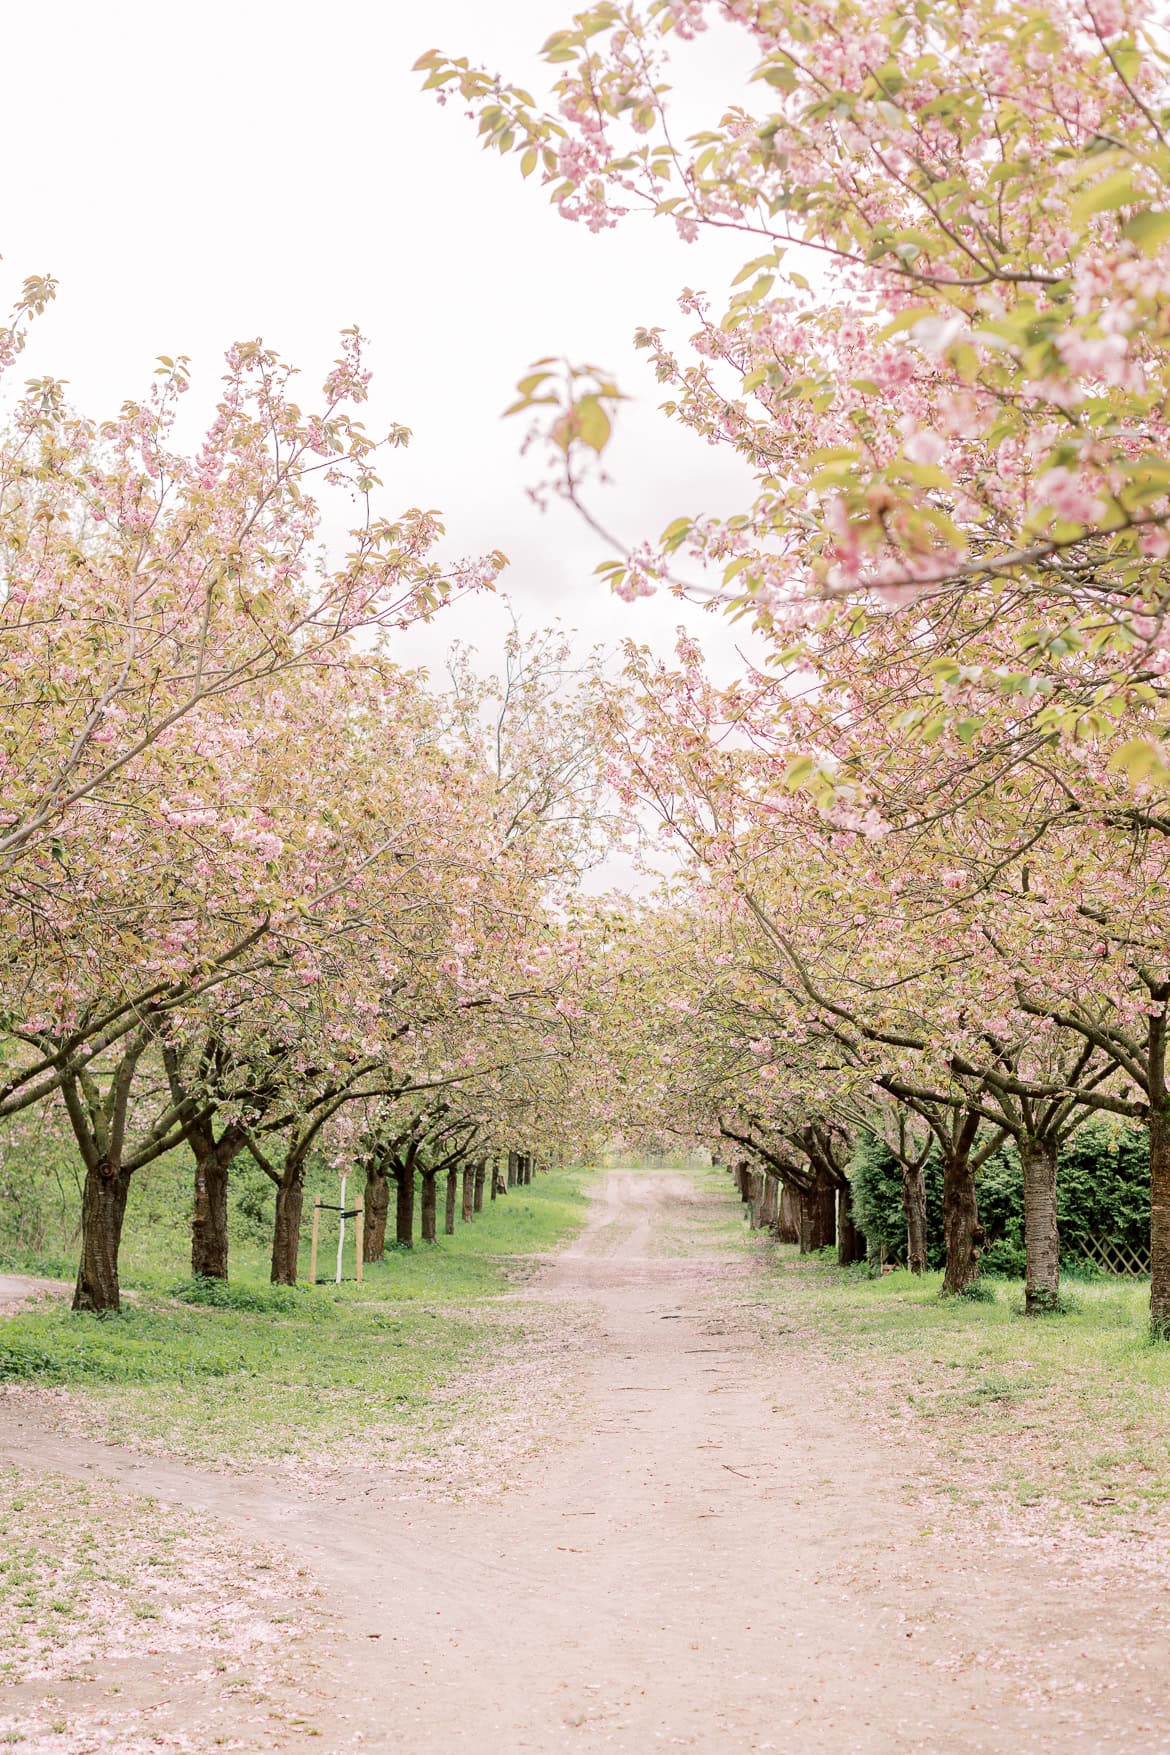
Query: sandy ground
[(18, 1291), (714, 1558)]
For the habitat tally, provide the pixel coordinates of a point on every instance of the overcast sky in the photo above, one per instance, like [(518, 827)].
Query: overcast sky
[(198, 174)]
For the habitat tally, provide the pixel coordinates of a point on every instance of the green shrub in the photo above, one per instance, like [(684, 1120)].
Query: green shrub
[(978, 1292), (1103, 1190), (259, 1299), (57, 1346), (876, 1181), (1102, 1194), (1004, 1260)]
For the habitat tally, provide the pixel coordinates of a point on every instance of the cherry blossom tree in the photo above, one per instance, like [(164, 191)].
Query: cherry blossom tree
[(942, 363)]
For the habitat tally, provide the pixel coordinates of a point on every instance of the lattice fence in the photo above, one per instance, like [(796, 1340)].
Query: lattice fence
[(1116, 1258)]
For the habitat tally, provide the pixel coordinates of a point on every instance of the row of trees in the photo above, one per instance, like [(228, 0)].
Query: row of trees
[(928, 831), (407, 1168), (263, 890)]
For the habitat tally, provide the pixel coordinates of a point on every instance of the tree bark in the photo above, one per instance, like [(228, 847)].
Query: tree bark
[(404, 1204), (788, 1216), (494, 1177), (962, 1232), (769, 1202), (914, 1207), (429, 1182), (103, 1212), (286, 1231), (452, 1186), (756, 1205), (209, 1216), (818, 1215), (468, 1193), (480, 1179), (512, 1161), (1160, 1218), (377, 1212), (1041, 1238), (850, 1241)]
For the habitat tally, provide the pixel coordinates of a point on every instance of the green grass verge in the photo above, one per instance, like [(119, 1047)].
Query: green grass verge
[(261, 1372), (1069, 1410)]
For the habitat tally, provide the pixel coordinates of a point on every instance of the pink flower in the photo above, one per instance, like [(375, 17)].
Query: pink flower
[(1069, 496), (924, 447)]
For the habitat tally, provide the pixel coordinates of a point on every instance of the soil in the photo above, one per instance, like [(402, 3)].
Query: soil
[(19, 1291), (717, 1557)]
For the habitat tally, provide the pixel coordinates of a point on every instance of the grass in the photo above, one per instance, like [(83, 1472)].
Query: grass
[(1069, 1411), (254, 1372)]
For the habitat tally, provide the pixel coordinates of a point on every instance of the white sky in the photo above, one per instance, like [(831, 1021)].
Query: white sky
[(197, 174)]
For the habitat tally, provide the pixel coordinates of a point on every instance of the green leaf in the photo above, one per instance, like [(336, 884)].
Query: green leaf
[(1119, 190), (906, 320), (593, 424), (1148, 229), (781, 75), (1139, 760), (674, 533)]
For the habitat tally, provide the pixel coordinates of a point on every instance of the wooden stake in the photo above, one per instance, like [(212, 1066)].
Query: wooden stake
[(313, 1251), (360, 1236), (341, 1228)]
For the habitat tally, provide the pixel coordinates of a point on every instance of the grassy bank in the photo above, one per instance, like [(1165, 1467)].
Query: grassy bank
[(256, 1372), (1069, 1413)]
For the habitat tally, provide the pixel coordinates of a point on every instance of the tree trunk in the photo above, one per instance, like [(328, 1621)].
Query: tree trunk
[(429, 1183), (818, 1215), (480, 1179), (769, 1202), (286, 1232), (494, 1177), (512, 1160), (209, 1217), (914, 1207), (1041, 1238), (404, 1205), (1160, 1219), (756, 1205), (788, 1216), (850, 1241), (376, 1214), (103, 1210), (449, 1216), (962, 1232), (468, 1193)]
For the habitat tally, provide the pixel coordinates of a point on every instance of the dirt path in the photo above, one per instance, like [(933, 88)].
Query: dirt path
[(18, 1291), (716, 1561)]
